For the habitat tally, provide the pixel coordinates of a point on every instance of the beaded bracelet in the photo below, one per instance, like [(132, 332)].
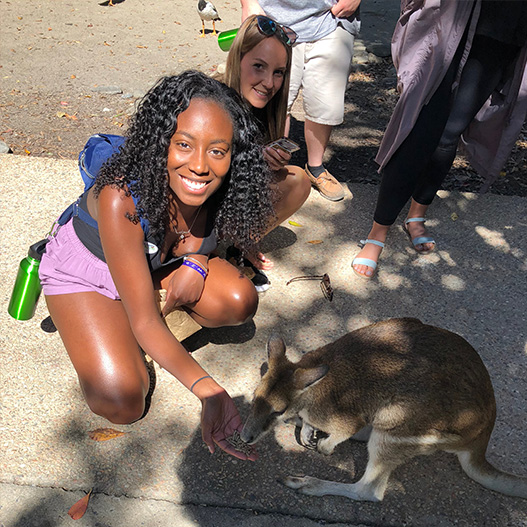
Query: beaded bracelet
[(197, 268)]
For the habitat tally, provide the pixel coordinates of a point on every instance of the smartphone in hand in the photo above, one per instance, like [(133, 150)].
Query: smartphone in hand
[(285, 144)]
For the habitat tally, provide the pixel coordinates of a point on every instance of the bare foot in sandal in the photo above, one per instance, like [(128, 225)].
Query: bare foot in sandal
[(414, 226), (422, 242), (365, 263)]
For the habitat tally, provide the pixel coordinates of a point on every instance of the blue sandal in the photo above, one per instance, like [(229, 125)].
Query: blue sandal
[(418, 240), (366, 261)]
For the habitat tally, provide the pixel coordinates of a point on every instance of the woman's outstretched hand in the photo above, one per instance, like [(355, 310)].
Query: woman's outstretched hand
[(219, 420)]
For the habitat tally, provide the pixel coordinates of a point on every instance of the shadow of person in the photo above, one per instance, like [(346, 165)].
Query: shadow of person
[(279, 238), (224, 335)]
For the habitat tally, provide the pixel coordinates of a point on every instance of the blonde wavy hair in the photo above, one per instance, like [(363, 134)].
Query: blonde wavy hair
[(247, 38)]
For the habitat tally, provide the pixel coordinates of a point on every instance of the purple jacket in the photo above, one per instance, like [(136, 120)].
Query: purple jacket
[(424, 42)]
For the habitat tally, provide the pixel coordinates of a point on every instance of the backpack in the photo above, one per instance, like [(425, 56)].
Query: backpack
[(97, 150)]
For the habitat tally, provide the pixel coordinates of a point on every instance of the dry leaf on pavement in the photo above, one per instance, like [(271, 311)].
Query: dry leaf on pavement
[(78, 509), (103, 434)]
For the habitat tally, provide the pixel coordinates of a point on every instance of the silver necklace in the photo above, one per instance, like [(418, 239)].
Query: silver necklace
[(183, 234)]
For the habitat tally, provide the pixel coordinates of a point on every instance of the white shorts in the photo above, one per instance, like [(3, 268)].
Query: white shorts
[(322, 69)]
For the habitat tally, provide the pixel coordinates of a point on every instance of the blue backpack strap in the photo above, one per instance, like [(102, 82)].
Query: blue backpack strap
[(75, 210)]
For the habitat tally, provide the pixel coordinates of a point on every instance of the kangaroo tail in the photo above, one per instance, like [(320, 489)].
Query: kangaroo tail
[(480, 470)]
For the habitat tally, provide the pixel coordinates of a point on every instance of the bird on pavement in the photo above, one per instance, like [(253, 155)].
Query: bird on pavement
[(207, 11)]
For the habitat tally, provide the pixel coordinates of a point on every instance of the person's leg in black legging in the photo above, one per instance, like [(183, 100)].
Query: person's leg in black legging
[(485, 67), (400, 176), (486, 64)]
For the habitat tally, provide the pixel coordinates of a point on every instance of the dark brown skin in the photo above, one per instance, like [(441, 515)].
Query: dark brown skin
[(103, 337)]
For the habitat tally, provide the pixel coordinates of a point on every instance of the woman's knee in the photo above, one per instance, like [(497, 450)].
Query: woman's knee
[(297, 183), (117, 404), (241, 304)]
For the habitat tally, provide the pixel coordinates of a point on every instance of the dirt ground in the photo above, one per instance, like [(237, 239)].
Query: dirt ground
[(69, 69)]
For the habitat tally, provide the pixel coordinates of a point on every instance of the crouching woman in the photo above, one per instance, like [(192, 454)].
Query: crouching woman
[(188, 170)]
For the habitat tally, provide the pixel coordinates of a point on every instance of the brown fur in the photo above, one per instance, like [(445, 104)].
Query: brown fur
[(419, 388)]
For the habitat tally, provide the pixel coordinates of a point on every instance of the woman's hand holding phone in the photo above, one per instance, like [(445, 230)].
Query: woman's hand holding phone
[(278, 153)]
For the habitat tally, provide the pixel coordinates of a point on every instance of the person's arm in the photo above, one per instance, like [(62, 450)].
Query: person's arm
[(122, 242), (251, 7), (345, 8)]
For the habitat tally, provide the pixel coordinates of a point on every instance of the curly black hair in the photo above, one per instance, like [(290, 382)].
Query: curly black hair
[(242, 207)]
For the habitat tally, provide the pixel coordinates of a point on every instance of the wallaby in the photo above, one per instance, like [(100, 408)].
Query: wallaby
[(415, 388)]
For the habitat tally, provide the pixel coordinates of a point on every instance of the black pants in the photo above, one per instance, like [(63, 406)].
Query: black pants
[(421, 163)]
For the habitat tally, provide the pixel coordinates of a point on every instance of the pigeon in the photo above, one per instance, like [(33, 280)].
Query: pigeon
[(207, 11)]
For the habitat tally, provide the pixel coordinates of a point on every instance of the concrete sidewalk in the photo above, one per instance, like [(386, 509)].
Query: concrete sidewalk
[(160, 473)]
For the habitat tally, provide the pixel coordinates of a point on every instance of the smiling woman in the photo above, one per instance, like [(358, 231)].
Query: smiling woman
[(258, 68), (185, 175)]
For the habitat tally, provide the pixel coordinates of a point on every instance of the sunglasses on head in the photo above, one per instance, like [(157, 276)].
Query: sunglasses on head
[(269, 27)]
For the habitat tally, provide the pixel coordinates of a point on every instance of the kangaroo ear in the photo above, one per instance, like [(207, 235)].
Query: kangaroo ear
[(307, 377), (275, 350)]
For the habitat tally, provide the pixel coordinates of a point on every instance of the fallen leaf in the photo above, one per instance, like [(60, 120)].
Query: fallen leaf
[(73, 77), (315, 242), (27, 151), (78, 509), (503, 173), (104, 434), (294, 223), (63, 103), (142, 47), (61, 114), (454, 216)]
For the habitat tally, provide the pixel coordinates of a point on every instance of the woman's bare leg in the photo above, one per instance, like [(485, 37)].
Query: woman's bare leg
[(228, 299), (108, 361), (292, 188)]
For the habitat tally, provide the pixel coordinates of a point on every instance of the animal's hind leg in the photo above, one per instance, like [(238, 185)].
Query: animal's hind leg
[(384, 456)]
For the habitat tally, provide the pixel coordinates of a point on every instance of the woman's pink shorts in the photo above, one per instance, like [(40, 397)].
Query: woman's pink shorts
[(68, 266)]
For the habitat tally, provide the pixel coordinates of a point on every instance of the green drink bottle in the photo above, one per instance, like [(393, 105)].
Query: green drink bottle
[(26, 290)]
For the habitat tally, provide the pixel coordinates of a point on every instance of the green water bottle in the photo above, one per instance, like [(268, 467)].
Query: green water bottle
[(225, 39), (27, 284)]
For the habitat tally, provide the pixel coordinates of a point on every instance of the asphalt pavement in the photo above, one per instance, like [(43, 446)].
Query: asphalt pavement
[(159, 473)]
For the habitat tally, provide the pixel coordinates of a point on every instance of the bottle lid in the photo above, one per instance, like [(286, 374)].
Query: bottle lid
[(225, 39), (38, 249)]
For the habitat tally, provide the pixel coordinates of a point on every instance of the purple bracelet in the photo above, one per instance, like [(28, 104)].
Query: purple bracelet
[(197, 268)]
